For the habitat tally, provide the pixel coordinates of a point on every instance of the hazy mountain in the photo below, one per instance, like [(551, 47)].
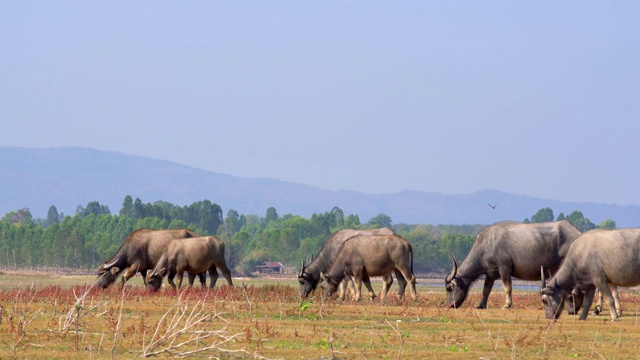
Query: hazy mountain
[(68, 177)]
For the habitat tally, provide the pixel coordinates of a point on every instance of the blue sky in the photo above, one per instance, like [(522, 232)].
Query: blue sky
[(538, 98)]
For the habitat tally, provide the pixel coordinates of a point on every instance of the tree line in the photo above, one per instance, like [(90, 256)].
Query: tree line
[(93, 234)]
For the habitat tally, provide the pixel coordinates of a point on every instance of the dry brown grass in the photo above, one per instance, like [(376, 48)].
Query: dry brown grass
[(268, 320)]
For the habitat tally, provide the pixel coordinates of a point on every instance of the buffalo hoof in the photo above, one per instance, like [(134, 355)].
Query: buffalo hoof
[(597, 310), (481, 306)]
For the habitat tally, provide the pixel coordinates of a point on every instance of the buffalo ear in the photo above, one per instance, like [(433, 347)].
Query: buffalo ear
[(547, 291), (323, 276), (114, 270), (162, 272), (576, 292)]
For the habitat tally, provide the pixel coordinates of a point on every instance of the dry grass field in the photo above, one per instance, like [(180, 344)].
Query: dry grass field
[(47, 317)]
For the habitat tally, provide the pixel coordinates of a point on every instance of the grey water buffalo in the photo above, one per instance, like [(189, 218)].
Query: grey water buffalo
[(309, 276), (509, 249), (193, 255), (597, 258), (364, 256), (139, 252)]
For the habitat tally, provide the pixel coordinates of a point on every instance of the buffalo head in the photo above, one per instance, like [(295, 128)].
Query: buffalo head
[(552, 298), (457, 288), (329, 285), (107, 274), (574, 301), (308, 283), (154, 280)]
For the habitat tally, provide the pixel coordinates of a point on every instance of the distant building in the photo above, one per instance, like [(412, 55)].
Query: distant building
[(270, 267)]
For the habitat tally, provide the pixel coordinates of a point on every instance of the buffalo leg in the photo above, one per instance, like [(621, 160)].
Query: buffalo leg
[(144, 276), (599, 306), (192, 278), (486, 290), (130, 272), (598, 309), (203, 278), (508, 290), (589, 292), (345, 284), (387, 281), (358, 285), (606, 292), (172, 274), (180, 275), (408, 276), (341, 288), (351, 287), (402, 283), (213, 276), (614, 292), (225, 272), (367, 282), (505, 275)]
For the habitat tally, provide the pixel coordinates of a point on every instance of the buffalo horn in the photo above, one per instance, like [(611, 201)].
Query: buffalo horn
[(301, 270), (105, 266), (543, 282), (454, 272)]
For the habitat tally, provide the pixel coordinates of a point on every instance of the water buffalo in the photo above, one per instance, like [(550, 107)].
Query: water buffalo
[(139, 252), (509, 249), (193, 255), (309, 276), (364, 256), (598, 258)]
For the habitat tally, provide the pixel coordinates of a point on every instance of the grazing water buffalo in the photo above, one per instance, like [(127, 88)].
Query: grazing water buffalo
[(309, 276), (365, 256), (193, 255), (509, 249), (139, 252), (598, 258)]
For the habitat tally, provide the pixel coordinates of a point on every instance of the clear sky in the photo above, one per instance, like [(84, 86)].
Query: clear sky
[(540, 98)]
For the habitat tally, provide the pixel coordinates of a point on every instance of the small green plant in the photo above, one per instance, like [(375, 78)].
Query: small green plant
[(454, 348), (304, 305), (323, 344)]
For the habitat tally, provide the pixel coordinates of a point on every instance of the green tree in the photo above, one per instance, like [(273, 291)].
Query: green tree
[(607, 224), (22, 216), (579, 221), (352, 222), (127, 207), (138, 210), (543, 215), (560, 217), (271, 215), (381, 220), (338, 217), (232, 222), (52, 216), (96, 208), (205, 215)]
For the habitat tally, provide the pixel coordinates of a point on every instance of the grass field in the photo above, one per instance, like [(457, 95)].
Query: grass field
[(60, 317)]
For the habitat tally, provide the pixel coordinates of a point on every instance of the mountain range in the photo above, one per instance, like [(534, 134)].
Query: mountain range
[(66, 177)]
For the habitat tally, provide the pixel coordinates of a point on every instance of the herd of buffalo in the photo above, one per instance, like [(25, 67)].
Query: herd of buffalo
[(570, 264)]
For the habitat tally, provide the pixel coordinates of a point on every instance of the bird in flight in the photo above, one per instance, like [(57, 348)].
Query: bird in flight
[(493, 206)]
